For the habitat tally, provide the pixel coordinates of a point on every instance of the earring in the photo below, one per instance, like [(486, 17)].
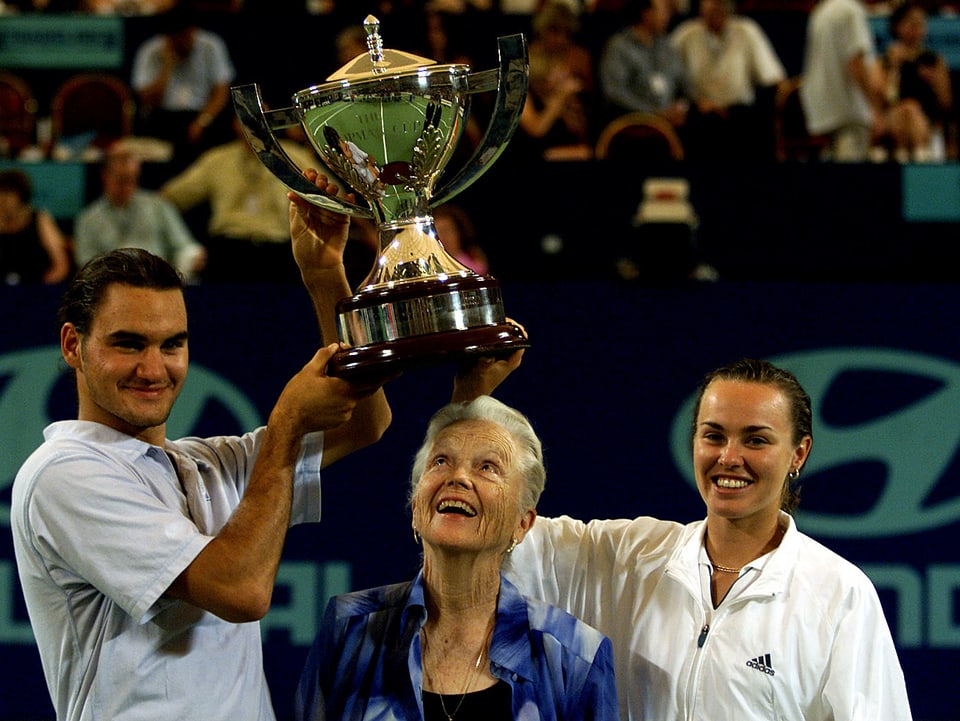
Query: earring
[(794, 474), (512, 545), (416, 537)]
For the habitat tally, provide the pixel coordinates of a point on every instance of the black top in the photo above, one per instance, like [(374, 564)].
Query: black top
[(23, 258), (490, 704), (912, 85)]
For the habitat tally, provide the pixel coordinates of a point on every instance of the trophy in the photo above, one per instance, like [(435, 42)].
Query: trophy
[(386, 125)]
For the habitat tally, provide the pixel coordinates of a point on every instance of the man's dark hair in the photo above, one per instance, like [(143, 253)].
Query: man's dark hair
[(900, 11), (177, 19), (332, 137), (633, 10), (752, 370), (124, 266)]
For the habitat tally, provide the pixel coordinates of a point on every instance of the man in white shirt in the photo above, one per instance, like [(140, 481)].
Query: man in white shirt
[(729, 59), (146, 563), (127, 215), (182, 79), (842, 88)]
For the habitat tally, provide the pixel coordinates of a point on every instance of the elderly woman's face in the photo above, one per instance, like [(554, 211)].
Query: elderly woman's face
[(469, 495)]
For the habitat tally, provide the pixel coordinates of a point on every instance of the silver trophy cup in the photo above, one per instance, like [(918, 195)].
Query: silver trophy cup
[(386, 125)]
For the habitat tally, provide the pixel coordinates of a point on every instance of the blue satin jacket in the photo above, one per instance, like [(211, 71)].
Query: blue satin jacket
[(365, 662)]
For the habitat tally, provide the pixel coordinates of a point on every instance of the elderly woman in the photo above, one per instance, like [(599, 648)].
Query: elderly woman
[(459, 641)]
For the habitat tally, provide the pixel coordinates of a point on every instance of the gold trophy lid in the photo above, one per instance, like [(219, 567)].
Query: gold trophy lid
[(378, 61)]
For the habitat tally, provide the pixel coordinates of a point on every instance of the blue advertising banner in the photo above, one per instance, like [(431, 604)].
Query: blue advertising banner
[(608, 383)]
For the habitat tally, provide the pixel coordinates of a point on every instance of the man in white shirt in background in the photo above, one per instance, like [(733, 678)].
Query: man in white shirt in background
[(842, 88), (126, 215)]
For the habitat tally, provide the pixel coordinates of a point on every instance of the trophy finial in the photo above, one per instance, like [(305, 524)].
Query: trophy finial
[(374, 42)]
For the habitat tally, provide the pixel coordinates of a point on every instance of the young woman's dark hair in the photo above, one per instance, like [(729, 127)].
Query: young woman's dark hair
[(751, 370)]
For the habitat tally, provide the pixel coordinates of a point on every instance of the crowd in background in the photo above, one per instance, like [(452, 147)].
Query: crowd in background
[(708, 67), (706, 70)]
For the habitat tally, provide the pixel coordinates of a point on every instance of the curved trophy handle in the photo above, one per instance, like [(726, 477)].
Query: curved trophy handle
[(258, 126), (510, 79)]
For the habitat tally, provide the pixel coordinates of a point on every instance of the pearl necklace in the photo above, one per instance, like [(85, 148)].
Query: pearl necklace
[(471, 677)]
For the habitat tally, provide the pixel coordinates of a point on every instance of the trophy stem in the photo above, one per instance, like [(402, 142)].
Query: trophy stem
[(410, 250)]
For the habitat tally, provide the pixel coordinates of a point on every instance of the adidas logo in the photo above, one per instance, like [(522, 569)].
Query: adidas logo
[(762, 663)]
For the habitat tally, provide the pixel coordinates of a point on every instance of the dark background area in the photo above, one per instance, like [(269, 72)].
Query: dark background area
[(605, 382)]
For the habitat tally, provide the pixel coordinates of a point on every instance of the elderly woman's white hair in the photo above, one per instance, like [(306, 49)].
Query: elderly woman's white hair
[(530, 450)]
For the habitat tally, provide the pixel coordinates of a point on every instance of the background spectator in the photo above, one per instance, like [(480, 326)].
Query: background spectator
[(640, 70), (733, 72), (458, 233), (33, 249), (126, 215), (556, 117), (126, 7), (247, 228), (182, 79), (350, 42), (842, 89), (918, 89)]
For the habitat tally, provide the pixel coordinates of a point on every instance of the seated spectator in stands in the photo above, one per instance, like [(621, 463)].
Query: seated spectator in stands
[(556, 118), (182, 79), (126, 7), (918, 89), (457, 232), (640, 70), (248, 231), (842, 89), (126, 215), (733, 72), (33, 249)]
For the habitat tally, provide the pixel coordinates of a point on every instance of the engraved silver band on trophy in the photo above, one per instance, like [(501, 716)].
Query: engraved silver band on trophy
[(386, 125)]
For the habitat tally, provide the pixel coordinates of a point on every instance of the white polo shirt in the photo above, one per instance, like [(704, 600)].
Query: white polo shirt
[(102, 524)]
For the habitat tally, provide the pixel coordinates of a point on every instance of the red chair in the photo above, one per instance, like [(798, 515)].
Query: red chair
[(18, 114), (97, 103), (639, 137)]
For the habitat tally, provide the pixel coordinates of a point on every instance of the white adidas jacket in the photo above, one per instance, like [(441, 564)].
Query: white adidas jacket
[(805, 641)]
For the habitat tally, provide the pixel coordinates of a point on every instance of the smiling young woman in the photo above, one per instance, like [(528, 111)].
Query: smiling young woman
[(710, 604)]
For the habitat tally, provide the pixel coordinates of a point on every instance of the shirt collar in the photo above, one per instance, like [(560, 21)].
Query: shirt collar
[(97, 433), (510, 646)]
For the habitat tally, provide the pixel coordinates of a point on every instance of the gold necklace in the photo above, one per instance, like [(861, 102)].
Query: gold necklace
[(726, 569), (471, 677)]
